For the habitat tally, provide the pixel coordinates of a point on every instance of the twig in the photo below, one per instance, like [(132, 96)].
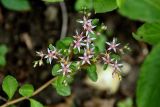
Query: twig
[(2, 98), (64, 20), (24, 98)]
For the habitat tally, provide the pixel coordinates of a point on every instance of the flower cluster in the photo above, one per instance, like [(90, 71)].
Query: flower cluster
[(83, 42), (112, 46)]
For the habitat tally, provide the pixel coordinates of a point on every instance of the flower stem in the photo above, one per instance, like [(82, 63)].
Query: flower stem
[(35, 93)]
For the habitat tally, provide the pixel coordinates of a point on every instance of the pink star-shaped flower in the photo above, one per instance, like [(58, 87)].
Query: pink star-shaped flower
[(52, 54), (90, 51), (40, 54), (107, 59), (78, 36), (78, 41), (87, 25), (88, 41), (116, 66), (113, 45), (86, 58), (78, 44), (65, 68)]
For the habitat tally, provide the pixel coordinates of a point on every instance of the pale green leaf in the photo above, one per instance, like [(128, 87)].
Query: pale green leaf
[(55, 68), (9, 86), (26, 90), (101, 6), (51, 47), (84, 4), (18, 5), (100, 42), (125, 103), (120, 2), (34, 103), (145, 10), (61, 88), (148, 32), (91, 72), (64, 43), (149, 80)]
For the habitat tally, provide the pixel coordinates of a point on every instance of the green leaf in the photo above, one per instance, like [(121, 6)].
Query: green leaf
[(26, 90), (2, 61), (105, 66), (145, 10), (67, 41), (95, 22), (55, 68), (120, 2), (75, 51), (96, 50), (9, 86), (115, 57), (125, 103), (35, 103), (64, 43), (52, 1), (148, 32), (100, 42), (148, 83), (51, 47), (17, 5), (61, 88), (91, 72), (3, 49), (82, 4), (60, 45), (102, 6), (74, 66)]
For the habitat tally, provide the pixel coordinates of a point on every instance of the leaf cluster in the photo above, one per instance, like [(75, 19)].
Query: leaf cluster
[(10, 85)]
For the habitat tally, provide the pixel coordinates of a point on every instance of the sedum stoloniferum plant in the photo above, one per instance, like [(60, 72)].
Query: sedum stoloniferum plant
[(70, 55)]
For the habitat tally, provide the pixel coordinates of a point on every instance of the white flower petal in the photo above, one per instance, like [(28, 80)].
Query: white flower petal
[(48, 50), (93, 26), (92, 31), (83, 62), (114, 49), (88, 62), (50, 60), (81, 57), (46, 56), (87, 32), (55, 57), (108, 43), (60, 70), (78, 49), (80, 21), (62, 65), (118, 44)]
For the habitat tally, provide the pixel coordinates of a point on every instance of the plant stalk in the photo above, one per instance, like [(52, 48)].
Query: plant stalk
[(35, 93)]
